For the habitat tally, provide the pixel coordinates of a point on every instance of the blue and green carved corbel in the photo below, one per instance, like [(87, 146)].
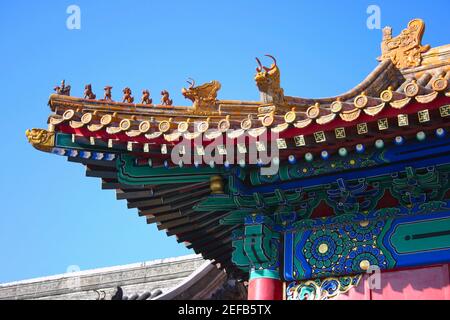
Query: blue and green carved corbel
[(256, 247)]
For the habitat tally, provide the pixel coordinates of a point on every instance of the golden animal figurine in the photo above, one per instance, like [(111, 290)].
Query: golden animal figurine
[(203, 96), (62, 89), (88, 94), (41, 139), (146, 97), (406, 49), (165, 99), (127, 97), (108, 93), (268, 82)]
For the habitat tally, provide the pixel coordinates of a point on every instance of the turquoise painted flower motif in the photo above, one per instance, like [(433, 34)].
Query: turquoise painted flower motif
[(363, 257), (364, 230), (324, 249)]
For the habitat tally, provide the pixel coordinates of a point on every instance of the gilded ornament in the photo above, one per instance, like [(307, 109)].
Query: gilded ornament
[(144, 126), (440, 84), (405, 50), (361, 101), (320, 136), (387, 95), (203, 96), (268, 82), (424, 116), (41, 139), (445, 111), (125, 124), (216, 185), (362, 128), (290, 116), (313, 111)]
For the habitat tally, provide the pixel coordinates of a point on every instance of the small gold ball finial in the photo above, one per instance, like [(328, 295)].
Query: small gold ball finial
[(323, 248), (216, 185), (364, 265), (364, 223)]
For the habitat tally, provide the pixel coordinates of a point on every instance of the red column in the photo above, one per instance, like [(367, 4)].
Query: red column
[(265, 289)]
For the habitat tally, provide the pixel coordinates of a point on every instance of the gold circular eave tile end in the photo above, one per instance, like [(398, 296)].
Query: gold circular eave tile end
[(313, 112), (125, 124)]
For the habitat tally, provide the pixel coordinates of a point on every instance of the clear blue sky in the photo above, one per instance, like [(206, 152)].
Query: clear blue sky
[(51, 215)]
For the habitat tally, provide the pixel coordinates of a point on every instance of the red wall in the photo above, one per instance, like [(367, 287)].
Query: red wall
[(430, 283)]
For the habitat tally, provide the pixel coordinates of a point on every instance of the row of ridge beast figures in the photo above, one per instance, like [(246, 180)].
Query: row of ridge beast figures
[(64, 89), (202, 96)]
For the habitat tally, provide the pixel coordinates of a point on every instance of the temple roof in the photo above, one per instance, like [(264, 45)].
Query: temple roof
[(409, 74), (386, 87), (128, 145)]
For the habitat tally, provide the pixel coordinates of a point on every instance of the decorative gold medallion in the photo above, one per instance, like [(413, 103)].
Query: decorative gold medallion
[(424, 116), (290, 116), (183, 126), (313, 111), (144, 126), (383, 124), (361, 101), (267, 120), (387, 95), (86, 118), (362, 128), (68, 114), (440, 84), (336, 106), (320, 136), (403, 120), (224, 125), (216, 185), (106, 119), (412, 89), (323, 248), (246, 124), (364, 265), (340, 133), (364, 223), (203, 126), (445, 111), (164, 126), (299, 141)]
